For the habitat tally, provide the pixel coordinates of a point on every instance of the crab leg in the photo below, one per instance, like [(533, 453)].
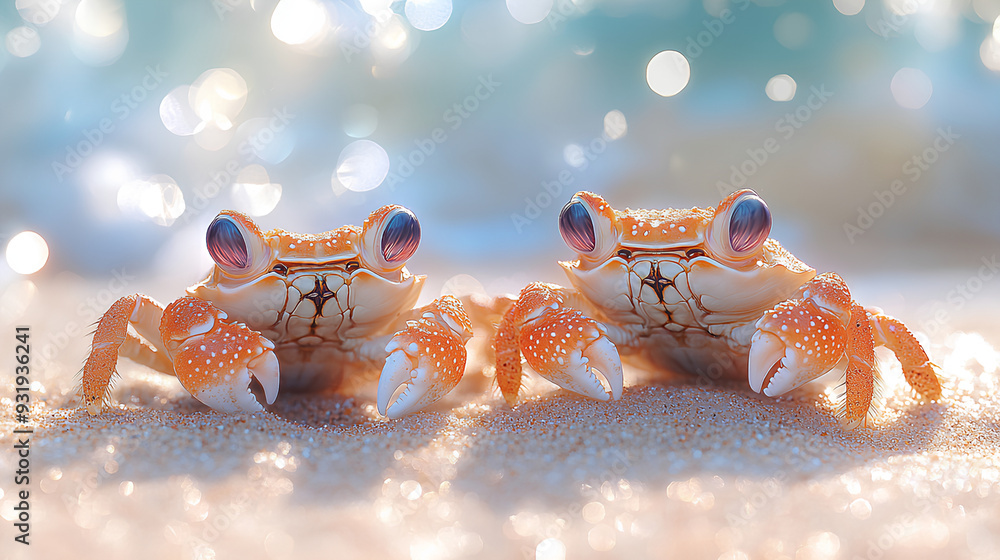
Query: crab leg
[(427, 358), (804, 337), (562, 344), (862, 378), (112, 331), (145, 353), (198, 346), (917, 367)]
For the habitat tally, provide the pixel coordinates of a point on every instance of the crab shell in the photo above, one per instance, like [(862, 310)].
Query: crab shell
[(317, 297), (675, 275)]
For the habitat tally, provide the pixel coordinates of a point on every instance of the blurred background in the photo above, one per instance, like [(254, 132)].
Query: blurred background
[(871, 128)]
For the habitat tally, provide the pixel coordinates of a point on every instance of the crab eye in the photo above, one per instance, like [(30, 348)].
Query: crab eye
[(749, 225), (400, 237), (226, 244), (577, 227)]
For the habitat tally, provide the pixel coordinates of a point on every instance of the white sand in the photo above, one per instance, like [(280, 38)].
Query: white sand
[(672, 470)]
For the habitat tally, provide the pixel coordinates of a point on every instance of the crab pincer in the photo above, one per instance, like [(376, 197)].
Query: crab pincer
[(214, 358), (562, 344), (802, 338), (426, 359), (808, 335)]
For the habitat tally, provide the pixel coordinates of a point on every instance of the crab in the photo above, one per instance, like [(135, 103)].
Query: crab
[(325, 307), (702, 291)]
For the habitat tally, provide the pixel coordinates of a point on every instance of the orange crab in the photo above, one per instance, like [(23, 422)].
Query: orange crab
[(324, 306), (697, 290)]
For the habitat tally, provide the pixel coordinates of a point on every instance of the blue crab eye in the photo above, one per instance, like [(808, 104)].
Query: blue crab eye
[(576, 227), (226, 244), (400, 237), (749, 225)]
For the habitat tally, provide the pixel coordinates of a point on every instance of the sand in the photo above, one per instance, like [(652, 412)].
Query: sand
[(672, 470)]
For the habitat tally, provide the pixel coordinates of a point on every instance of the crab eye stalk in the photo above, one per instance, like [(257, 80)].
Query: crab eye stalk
[(749, 224), (236, 245), (389, 237), (400, 237), (577, 227), (739, 228), (226, 244)]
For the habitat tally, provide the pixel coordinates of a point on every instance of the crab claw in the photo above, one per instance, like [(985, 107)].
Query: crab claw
[(426, 359), (214, 359), (566, 347), (800, 339)]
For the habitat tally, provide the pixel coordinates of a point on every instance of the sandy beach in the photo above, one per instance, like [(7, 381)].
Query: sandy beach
[(672, 470)]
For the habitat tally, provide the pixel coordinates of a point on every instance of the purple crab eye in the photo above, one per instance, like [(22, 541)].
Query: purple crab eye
[(400, 237), (577, 227), (750, 224), (226, 244)]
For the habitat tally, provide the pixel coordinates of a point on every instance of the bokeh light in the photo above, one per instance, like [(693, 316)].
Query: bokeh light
[(937, 32), (615, 125), (27, 252), (100, 31), (911, 88), (392, 43), (16, 299), (267, 138), (297, 22), (362, 166), (903, 7), (793, 30), (427, 15), (100, 18), (360, 120), (780, 88), (574, 155), (378, 8), (213, 137), (253, 191), (23, 41), (849, 7), (988, 10), (989, 53), (667, 73), (550, 549), (178, 115), (529, 11), (38, 12), (157, 198), (218, 96)]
